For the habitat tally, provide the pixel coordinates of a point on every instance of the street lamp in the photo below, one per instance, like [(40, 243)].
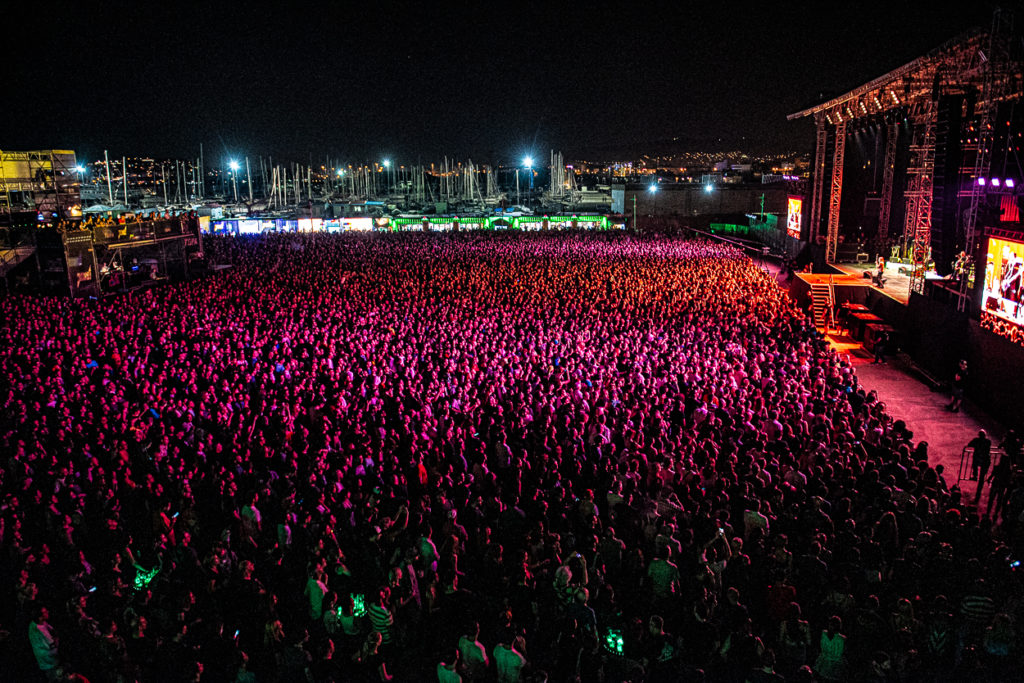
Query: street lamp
[(387, 166), (233, 165)]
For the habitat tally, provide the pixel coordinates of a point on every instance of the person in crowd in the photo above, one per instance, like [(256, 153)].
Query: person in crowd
[(510, 660), (473, 658), (981, 460), (556, 437), (831, 662), (43, 639)]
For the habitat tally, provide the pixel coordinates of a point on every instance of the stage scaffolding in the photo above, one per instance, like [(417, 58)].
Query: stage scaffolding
[(121, 257), (977, 65)]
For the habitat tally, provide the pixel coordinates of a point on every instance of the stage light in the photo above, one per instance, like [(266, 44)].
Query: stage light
[(709, 188), (1010, 182), (995, 182), (233, 165), (528, 162), (341, 172), (653, 187), (981, 181), (387, 163), (79, 169)]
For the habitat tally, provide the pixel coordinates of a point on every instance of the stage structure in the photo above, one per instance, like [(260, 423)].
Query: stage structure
[(945, 111), (122, 257)]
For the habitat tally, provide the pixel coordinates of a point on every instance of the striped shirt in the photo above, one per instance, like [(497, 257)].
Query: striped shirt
[(381, 620)]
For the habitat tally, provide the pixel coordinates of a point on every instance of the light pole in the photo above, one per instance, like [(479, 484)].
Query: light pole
[(528, 163), (653, 189), (234, 177), (387, 170)]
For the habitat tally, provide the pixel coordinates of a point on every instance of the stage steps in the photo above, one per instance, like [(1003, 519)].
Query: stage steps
[(822, 302)]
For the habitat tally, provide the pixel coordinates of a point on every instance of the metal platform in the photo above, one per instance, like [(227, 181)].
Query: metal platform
[(11, 258)]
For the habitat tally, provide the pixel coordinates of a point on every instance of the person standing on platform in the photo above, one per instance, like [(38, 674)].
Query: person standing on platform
[(981, 460), (959, 385)]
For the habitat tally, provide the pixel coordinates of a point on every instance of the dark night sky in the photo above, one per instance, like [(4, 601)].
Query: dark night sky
[(419, 80)]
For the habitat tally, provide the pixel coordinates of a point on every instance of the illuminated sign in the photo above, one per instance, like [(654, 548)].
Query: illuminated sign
[(357, 224), (794, 208)]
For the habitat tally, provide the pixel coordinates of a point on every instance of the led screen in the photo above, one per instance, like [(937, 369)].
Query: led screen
[(1003, 288)]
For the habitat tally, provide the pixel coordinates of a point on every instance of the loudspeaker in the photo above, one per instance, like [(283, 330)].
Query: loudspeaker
[(945, 237)]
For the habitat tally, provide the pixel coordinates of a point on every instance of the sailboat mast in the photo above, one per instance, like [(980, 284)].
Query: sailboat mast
[(110, 190)]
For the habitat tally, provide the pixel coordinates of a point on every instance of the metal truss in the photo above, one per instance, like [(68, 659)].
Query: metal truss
[(835, 197), (994, 85), (885, 206), (918, 223), (819, 178)]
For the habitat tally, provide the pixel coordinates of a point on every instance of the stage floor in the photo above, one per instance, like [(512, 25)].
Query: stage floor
[(897, 286)]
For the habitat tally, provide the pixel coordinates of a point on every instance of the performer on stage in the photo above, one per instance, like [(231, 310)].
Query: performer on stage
[(880, 275)]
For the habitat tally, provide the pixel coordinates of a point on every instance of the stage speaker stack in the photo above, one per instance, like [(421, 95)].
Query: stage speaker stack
[(945, 238)]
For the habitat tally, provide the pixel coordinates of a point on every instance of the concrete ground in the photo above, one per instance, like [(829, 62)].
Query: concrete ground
[(907, 397)]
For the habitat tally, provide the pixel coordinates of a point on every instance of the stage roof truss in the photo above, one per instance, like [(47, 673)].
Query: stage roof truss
[(955, 66)]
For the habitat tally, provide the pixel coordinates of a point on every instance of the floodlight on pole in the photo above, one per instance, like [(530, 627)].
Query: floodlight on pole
[(233, 165), (528, 163)]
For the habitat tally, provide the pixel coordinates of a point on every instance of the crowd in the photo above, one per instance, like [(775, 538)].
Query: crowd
[(1002, 327), (453, 457), (125, 218)]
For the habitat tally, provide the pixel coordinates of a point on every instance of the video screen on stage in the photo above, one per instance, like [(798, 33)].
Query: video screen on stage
[(1003, 289), (794, 208)]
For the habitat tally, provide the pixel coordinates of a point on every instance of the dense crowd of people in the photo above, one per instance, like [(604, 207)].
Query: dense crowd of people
[(458, 457), (1002, 327), (99, 220)]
